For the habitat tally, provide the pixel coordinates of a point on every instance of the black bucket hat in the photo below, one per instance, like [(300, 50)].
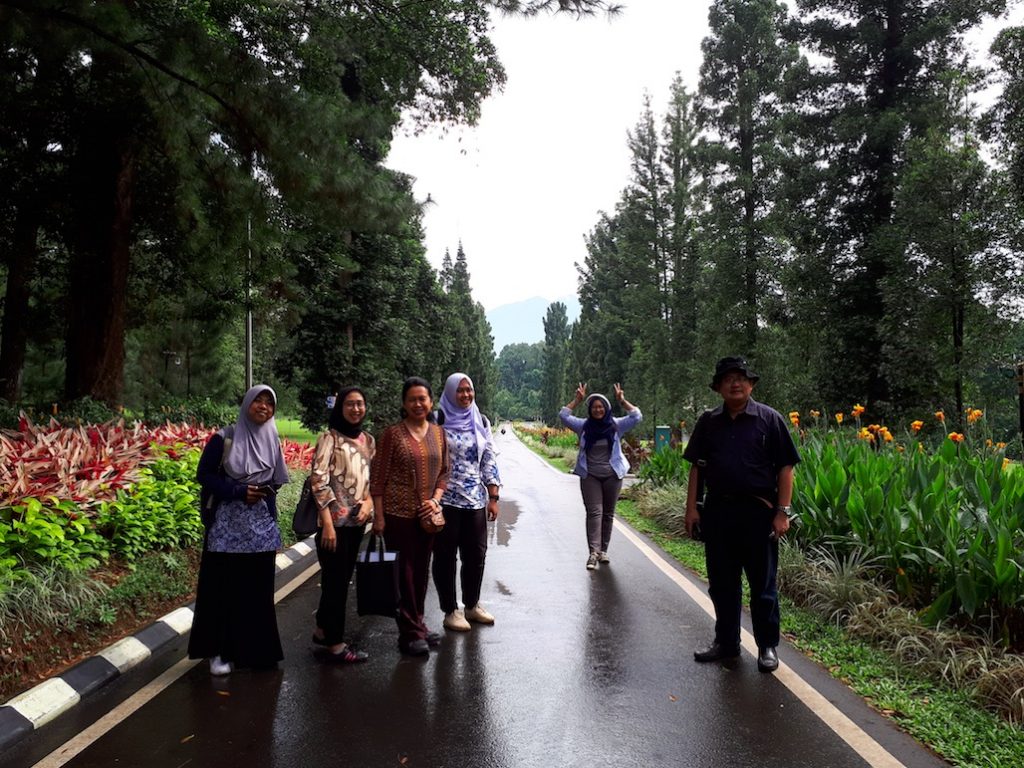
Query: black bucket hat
[(727, 364)]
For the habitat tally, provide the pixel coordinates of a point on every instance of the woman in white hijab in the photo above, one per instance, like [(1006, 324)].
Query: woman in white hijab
[(240, 471), (470, 500)]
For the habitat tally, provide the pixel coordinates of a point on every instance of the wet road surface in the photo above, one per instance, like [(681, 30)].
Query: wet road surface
[(582, 669)]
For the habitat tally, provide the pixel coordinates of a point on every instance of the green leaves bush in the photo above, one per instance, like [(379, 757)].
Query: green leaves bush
[(947, 527), (192, 410), (159, 512), (665, 467)]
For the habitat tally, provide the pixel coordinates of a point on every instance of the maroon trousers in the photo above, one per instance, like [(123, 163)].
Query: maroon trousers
[(414, 546)]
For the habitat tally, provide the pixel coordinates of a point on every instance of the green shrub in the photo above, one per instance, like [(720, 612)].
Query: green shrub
[(948, 527), (8, 415), (157, 576), (666, 505), (159, 512), (192, 410), (665, 467), (53, 533), (46, 594)]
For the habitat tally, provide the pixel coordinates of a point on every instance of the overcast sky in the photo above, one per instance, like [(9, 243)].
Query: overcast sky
[(523, 187)]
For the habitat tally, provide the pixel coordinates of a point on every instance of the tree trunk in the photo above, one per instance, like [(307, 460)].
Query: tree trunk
[(15, 322), (881, 166), (749, 236), (98, 277)]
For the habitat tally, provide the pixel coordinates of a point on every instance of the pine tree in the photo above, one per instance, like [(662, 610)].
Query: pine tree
[(880, 65), (943, 300), (314, 93), (1008, 113), (556, 341), (745, 68)]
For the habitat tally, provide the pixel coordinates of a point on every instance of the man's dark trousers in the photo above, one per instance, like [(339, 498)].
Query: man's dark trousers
[(737, 531)]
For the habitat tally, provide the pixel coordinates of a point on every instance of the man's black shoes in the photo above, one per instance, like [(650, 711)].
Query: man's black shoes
[(767, 659), (716, 652)]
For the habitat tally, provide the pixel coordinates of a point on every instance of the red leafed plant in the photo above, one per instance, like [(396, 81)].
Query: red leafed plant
[(85, 464), (297, 455)]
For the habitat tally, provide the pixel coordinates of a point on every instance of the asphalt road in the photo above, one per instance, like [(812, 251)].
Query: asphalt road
[(581, 669)]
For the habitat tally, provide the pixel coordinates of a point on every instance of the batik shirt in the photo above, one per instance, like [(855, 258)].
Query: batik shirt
[(468, 476), (340, 477), (406, 471)]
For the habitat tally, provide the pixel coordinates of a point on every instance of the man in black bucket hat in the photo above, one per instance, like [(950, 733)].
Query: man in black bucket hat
[(743, 455)]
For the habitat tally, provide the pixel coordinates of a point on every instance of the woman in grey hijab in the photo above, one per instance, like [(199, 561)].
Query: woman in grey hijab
[(241, 468)]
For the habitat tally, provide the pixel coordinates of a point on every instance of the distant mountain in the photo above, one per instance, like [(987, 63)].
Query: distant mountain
[(523, 321)]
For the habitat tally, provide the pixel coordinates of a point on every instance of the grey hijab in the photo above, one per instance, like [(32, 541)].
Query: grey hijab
[(255, 457)]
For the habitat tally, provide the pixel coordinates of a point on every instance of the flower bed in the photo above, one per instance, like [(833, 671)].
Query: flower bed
[(77, 496)]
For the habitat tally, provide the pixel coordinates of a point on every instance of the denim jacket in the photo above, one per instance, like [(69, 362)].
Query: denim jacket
[(622, 426)]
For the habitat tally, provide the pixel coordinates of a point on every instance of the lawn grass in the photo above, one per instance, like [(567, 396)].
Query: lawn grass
[(292, 429), (948, 721)]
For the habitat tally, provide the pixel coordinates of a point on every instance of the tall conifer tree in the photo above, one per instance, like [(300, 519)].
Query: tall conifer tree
[(871, 93)]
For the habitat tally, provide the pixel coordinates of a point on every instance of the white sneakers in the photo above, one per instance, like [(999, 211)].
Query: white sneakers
[(219, 668), (479, 614), (592, 561), (458, 621), (602, 557)]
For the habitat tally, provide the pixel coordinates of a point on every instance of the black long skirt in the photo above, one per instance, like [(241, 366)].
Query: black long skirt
[(234, 615)]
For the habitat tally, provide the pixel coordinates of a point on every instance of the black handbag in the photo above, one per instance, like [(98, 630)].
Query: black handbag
[(307, 513), (376, 580)]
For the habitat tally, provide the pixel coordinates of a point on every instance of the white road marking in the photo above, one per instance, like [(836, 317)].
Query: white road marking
[(80, 742), (870, 751), (867, 748)]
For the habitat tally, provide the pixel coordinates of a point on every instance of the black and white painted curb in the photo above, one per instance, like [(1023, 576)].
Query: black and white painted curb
[(37, 706)]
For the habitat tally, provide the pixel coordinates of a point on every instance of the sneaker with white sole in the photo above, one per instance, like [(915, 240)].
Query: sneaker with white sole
[(456, 622), (592, 561), (602, 557), (479, 614), (219, 668)]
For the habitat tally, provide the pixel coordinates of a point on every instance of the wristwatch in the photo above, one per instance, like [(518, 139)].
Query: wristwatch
[(494, 497), (786, 510)]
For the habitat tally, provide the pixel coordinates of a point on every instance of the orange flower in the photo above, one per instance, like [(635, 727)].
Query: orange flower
[(988, 442), (874, 428), (858, 409), (940, 416), (885, 433), (974, 415), (794, 418), (839, 418), (956, 437), (1006, 464), (815, 414), (915, 426), (901, 449), (865, 434), (1000, 446)]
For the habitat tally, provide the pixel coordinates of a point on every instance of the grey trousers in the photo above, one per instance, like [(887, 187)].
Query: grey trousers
[(599, 497)]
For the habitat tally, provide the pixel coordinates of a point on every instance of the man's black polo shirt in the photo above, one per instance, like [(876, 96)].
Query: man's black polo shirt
[(743, 455)]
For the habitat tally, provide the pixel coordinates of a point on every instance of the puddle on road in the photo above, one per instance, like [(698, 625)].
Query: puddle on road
[(500, 533)]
